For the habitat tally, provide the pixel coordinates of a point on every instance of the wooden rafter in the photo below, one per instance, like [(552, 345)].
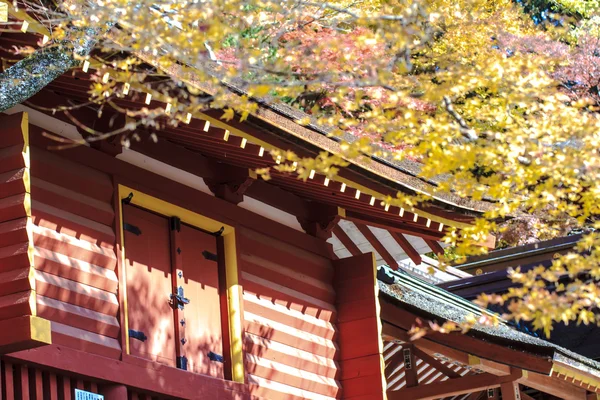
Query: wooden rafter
[(346, 240), (556, 387), (478, 396), (377, 245), (510, 391), (394, 362), (407, 247), (391, 333), (394, 226), (435, 363), (434, 246), (453, 387)]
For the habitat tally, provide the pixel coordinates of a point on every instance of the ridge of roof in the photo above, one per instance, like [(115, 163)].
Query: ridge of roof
[(510, 253)]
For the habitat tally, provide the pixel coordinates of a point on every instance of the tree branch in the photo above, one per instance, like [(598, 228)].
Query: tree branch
[(30, 75)]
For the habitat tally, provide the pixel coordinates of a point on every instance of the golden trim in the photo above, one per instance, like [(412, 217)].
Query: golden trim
[(379, 327), (234, 300), (585, 379), (123, 270), (234, 290), (40, 330), (474, 360)]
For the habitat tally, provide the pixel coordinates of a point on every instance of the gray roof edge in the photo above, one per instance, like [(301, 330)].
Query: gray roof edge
[(447, 306)]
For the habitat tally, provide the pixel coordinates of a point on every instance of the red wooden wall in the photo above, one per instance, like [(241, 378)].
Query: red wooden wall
[(289, 320), (302, 340), (74, 256), (19, 326)]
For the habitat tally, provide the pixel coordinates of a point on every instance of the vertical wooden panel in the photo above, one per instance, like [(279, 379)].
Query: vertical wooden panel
[(66, 388), (9, 381), (148, 264), (203, 314), (23, 387), (53, 386), (38, 384), (93, 387), (114, 392)]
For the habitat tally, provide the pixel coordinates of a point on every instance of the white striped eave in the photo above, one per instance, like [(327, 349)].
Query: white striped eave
[(396, 377), (390, 244)]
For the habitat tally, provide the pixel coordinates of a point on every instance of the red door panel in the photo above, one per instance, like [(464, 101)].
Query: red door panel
[(203, 313), (148, 266)]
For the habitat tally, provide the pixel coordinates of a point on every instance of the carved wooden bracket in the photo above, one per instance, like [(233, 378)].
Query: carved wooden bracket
[(320, 222), (230, 191)]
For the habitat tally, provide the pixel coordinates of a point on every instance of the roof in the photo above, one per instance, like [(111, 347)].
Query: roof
[(401, 175), (494, 279), (523, 256), (430, 301)]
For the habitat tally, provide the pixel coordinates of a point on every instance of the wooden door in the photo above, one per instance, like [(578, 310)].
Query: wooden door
[(149, 285), (203, 313)]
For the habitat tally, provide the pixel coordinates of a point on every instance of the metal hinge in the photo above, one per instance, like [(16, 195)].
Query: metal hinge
[(178, 299), (132, 228), (182, 362), (139, 335), (127, 199), (215, 357), (175, 224), (210, 256), (219, 232)]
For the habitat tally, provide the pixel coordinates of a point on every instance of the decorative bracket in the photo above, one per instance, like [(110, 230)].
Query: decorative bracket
[(321, 221), (231, 190)]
